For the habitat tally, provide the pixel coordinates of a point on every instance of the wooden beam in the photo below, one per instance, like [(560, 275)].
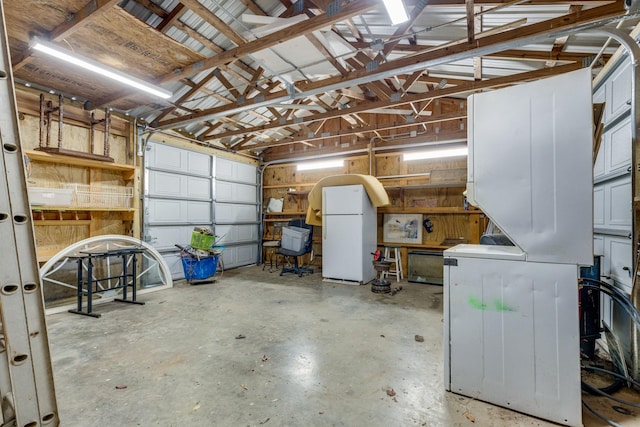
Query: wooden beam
[(477, 60), (404, 28), (367, 128), (213, 19), (316, 23), (90, 11), (496, 41), (469, 87), (253, 7), (471, 21), (327, 55), (171, 18), (194, 89), (253, 82), (226, 83), (409, 81), (154, 8)]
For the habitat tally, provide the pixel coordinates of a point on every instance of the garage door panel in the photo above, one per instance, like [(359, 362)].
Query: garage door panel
[(617, 255), (164, 184), (239, 255), (179, 195), (618, 146), (598, 205), (229, 170), (174, 262), (164, 157), (230, 213), (198, 163), (166, 237), (236, 233), (172, 185), (168, 211), (619, 192), (234, 192)]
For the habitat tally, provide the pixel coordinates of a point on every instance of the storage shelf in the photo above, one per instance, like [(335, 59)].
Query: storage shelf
[(290, 185), (285, 213), (59, 222), (68, 209), (418, 187), (442, 210), (417, 246), (127, 171)]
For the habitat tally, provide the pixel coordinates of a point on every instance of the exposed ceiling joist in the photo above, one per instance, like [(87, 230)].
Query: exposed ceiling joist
[(468, 87), (486, 45)]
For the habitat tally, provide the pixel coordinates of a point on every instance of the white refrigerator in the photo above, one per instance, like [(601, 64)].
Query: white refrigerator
[(349, 234)]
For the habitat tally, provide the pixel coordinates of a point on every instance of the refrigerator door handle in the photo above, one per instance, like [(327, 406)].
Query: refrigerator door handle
[(324, 210)]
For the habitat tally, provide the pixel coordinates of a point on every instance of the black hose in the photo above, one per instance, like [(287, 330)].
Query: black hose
[(613, 373), (594, 390), (633, 313), (599, 415), (624, 299), (621, 300)]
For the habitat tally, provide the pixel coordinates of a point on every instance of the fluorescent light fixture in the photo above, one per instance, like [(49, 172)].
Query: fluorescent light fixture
[(101, 69), (325, 164), (396, 11), (436, 154)]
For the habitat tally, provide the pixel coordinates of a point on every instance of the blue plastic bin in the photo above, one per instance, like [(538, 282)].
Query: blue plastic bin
[(195, 269)]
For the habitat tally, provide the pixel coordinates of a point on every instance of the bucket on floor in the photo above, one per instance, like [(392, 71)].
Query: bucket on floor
[(199, 269)]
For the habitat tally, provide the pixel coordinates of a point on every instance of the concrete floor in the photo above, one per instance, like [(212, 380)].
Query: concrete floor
[(314, 354)]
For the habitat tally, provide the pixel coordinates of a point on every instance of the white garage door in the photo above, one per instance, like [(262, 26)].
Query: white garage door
[(179, 194)]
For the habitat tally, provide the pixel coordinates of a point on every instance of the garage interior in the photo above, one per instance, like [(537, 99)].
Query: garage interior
[(197, 158)]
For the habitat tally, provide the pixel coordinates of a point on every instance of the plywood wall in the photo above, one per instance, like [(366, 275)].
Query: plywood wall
[(57, 229)]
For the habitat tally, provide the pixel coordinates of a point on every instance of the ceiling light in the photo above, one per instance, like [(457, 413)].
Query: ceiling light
[(436, 154), (101, 69), (326, 164), (396, 10)]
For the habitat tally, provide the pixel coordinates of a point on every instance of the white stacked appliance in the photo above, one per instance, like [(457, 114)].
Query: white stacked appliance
[(511, 333), (349, 234)]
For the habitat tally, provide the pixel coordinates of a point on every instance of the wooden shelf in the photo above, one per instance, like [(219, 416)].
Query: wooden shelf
[(285, 213), (68, 209), (432, 211), (416, 246), (290, 185), (59, 222), (418, 187), (127, 171)]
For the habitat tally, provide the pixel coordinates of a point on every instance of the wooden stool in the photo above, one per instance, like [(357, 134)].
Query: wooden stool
[(396, 263), (270, 252)]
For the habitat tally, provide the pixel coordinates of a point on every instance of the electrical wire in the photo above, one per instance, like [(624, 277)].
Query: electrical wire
[(594, 390), (616, 295), (613, 373), (624, 302), (599, 415)]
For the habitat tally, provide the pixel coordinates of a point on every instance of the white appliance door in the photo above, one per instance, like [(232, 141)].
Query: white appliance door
[(512, 331), (344, 199), (342, 248)]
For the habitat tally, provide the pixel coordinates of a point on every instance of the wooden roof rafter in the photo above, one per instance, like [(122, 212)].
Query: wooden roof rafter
[(468, 87), (91, 11), (316, 23), (486, 44)]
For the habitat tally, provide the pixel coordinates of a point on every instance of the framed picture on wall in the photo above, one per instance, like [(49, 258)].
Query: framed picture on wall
[(402, 228)]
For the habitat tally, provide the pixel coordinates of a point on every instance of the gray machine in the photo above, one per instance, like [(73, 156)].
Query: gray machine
[(511, 334)]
